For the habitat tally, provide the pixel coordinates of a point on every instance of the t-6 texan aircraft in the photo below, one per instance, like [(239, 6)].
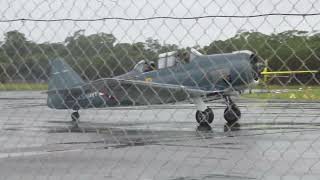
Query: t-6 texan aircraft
[(196, 78)]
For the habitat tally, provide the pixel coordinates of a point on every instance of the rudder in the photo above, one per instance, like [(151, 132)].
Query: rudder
[(63, 76)]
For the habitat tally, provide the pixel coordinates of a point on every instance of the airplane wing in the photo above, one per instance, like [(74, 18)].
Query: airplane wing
[(133, 92), (145, 93)]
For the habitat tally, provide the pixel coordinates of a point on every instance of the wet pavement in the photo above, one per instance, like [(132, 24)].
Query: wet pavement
[(273, 140)]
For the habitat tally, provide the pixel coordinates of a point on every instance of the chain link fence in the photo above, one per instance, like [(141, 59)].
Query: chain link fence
[(116, 62)]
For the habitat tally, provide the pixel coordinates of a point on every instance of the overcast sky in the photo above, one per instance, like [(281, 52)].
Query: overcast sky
[(182, 32)]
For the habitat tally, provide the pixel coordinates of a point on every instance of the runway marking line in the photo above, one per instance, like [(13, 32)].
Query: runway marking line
[(34, 153)]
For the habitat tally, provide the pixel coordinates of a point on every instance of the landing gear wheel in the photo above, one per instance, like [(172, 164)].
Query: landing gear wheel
[(232, 114), (205, 117), (75, 116)]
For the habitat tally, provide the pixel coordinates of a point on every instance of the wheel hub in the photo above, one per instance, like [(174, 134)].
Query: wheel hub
[(203, 116)]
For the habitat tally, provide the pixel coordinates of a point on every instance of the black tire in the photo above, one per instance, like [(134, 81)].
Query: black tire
[(75, 116), (205, 116), (232, 114)]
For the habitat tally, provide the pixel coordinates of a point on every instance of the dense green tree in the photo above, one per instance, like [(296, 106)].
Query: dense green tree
[(100, 55)]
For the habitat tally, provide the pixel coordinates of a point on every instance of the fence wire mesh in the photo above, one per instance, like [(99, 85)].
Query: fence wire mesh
[(165, 89)]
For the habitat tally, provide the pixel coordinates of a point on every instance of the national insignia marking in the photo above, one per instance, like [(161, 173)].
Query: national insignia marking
[(148, 79)]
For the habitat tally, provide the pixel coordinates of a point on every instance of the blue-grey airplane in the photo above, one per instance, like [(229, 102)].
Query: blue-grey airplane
[(217, 76)]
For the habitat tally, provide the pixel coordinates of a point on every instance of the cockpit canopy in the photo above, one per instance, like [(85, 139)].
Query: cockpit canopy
[(144, 66), (168, 59), (139, 66)]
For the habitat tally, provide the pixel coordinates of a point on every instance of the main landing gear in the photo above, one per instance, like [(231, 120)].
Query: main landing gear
[(232, 113), (205, 115)]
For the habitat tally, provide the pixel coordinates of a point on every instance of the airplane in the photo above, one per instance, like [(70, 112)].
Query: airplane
[(201, 77)]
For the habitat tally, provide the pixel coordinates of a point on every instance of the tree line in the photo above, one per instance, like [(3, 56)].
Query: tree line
[(101, 55)]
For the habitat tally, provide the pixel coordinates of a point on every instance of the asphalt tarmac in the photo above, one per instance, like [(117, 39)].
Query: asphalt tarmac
[(273, 140)]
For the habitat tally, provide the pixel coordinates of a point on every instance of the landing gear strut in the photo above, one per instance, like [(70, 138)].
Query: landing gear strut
[(232, 113)]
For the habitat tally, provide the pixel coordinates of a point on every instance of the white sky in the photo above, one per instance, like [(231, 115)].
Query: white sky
[(181, 32)]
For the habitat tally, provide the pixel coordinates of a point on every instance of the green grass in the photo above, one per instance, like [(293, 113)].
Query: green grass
[(23, 86), (278, 87), (309, 93)]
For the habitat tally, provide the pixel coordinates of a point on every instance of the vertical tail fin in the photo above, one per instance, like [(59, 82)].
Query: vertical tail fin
[(63, 76)]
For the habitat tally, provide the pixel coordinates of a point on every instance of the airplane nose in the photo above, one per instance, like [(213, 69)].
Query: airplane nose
[(257, 65)]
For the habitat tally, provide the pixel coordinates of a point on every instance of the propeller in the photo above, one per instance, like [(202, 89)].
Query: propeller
[(257, 65)]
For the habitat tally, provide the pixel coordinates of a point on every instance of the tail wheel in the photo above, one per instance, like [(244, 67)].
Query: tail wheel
[(75, 116), (232, 114), (205, 116)]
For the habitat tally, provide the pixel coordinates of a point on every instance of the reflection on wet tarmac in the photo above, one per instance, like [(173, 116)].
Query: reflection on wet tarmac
[(122, 136), (214, 176), (204, 127), (232, 127)]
